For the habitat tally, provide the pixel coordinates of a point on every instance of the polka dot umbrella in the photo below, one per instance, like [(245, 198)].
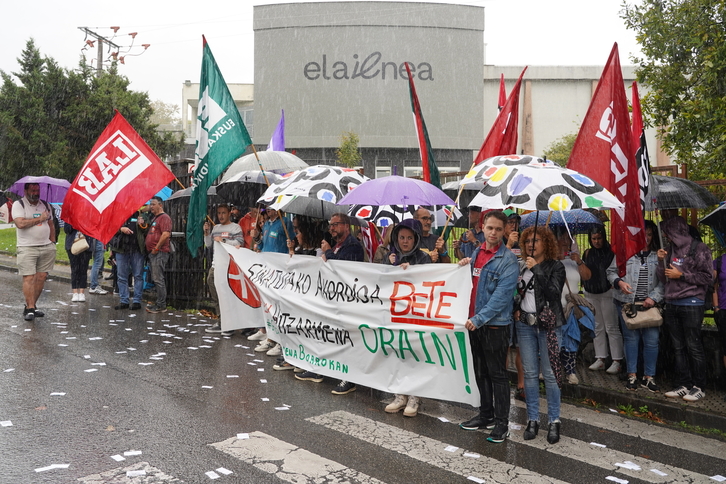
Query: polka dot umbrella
[(533, 183)]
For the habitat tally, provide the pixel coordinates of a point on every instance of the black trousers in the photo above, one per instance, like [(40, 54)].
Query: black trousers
[(489, 346), (79, 269)]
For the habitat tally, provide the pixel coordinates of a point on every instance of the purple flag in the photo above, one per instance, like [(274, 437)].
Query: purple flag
[(277, 143)]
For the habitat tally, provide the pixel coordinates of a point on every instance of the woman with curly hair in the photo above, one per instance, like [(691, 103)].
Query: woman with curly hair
[(539, 318)]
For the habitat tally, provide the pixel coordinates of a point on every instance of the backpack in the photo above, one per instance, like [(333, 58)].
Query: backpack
[(56, 222)]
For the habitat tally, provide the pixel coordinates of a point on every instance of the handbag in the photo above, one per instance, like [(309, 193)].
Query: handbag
[(637, 317), (80, 244)]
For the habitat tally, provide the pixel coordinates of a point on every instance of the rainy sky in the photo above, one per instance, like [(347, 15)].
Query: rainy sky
[(517, 32)]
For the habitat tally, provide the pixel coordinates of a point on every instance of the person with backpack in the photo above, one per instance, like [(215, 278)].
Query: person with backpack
[(37, 236), (686, 269)]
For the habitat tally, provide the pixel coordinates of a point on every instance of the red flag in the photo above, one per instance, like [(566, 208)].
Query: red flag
[(370, 240), (502, 93), (430, 170), (642, 159), (502, 138), (602, 151), (121, 173)]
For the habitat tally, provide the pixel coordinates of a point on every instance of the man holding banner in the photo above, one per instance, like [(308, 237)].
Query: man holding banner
[(495, 270)]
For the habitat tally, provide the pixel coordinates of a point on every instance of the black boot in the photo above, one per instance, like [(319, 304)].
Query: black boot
[(532, 430), (553, 436)]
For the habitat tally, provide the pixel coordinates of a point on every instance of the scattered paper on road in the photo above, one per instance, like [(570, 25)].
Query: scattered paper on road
[(6, 423), (615, 479), (224, 471), (451, 448), (660, 473), (598, 445), (476, 479), (243, 436), (138, 473), (57, 394), (130, 453), (628, 465), (52, 466), (212, 475), (207, 386), (472, 455), (118, 458), (91, 370)]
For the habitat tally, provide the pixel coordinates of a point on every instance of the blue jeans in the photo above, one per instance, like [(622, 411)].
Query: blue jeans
[(98, 253), (157, 263), (632, 338), (533, 349), (684, 327), (133, 262)]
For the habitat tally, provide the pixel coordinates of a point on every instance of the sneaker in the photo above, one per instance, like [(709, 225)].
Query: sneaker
[(694, 395), (135, 306), (649, 384), (553, 435), (227, 333), (155, 309), (398, 404), (275, 351), (614, 368), (298, 370), (411, 409), (258, 336), (572, 379), (598, 365), (38, 313), (265, 346), (216, 329), (632, 383), (98, 290), (74, 297), (81, 297), (309, 376), (478, 423), (344, 387), (500, 432), (29, 314), (532, 430), (121, 306), (284, 365), (679, 392)]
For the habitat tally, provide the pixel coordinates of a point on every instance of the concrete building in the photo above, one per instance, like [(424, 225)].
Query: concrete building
[(340, 66)]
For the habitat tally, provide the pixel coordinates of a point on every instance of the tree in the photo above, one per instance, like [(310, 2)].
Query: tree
[(348, 154), (684, 66), (51, 117), (559, 150), (165, 113)]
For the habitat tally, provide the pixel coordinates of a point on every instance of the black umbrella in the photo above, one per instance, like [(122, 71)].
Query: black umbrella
[(244, 188), (717, 221), (669, 192)]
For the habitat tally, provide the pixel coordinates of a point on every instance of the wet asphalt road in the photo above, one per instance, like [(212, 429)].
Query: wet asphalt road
[(163, 410)]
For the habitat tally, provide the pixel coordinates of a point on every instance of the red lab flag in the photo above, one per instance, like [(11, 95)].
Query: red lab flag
[(602, 151), (428, 163), (639, 146), (502, 138), (121, 173)]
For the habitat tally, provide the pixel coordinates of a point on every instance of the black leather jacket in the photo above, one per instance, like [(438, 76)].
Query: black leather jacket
[(549, 279)]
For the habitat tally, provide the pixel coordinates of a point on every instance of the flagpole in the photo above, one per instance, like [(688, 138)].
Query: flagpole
[(264, 175)]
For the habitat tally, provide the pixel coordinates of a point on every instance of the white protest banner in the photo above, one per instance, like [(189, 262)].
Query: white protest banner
[(400, 331)]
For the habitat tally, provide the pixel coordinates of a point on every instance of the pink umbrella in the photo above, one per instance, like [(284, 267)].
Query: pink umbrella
[(52, 190)]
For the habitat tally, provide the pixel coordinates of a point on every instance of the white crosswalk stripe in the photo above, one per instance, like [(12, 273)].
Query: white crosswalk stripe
[(289, 462), (428, 450)]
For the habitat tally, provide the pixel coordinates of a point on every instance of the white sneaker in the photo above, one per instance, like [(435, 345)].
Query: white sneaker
[(398, 403), (81, 297), (679, 392), (74, 298), (265, 346), (614, 368), (97, 290), (411, 409), (598, 365), (694, 395), (275, 351), (572, 379), (258, 336)]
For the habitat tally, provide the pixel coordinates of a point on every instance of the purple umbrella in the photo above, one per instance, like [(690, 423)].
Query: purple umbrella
[(396, 190), (52, 190)]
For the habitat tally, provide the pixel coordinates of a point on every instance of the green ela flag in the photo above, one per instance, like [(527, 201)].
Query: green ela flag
[(221, 139)]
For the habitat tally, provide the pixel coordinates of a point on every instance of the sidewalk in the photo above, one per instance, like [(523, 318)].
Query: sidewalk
[(607, 391)]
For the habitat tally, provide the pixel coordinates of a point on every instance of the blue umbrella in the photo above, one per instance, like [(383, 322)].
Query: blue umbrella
[(578, 221)]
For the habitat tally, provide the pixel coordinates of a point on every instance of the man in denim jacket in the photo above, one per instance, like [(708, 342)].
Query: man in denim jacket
[(495, 271)]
